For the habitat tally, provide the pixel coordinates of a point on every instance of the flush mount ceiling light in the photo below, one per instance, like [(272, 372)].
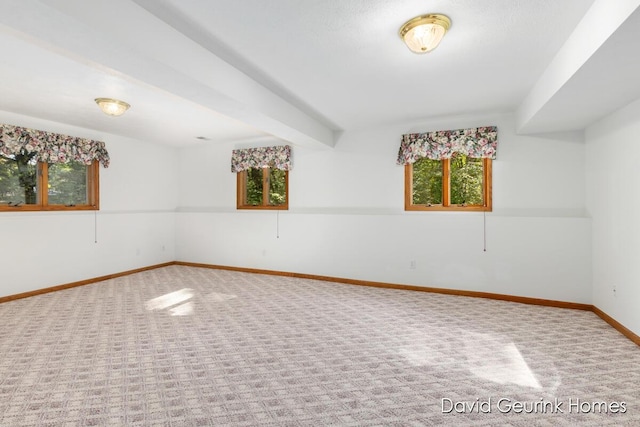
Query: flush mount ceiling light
[(112, 107), (423, 33)]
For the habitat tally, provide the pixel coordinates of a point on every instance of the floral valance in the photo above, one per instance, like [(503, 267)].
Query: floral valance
[(51, 147), (278, 157), (475, 142)]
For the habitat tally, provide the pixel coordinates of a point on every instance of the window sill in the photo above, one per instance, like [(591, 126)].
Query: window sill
[(39, 208)]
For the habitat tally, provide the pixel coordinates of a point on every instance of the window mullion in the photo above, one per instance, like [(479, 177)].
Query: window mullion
[(446, 182), (408, 186), (43, 183), (266, 173), (241, 181), (93, 198), (486, 183)]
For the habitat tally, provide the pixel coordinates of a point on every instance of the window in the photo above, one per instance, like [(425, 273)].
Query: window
[(43, 171), (448, 170), (28, 185), (263, 188), (263, 177), (458, 183)]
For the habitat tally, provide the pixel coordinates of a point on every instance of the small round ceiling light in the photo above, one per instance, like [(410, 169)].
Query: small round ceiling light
[(423, 33), (112, 107)]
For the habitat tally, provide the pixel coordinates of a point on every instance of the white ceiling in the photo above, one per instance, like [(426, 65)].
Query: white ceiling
[(300, 71)]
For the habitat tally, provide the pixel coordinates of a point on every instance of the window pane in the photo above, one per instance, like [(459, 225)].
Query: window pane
[(427, 182), (18, 179), (254, 187), (68, 184), (277, 187), (466, 180)]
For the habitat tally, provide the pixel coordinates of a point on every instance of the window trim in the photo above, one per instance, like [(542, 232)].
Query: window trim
[(487, 189), (241, 197), (93, 190)]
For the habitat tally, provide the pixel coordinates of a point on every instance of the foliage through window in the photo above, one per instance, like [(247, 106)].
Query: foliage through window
[(458, 183), (263, 188), (26, 184)]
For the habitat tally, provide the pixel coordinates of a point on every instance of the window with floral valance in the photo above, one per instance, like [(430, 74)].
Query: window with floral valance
[(262, 177), (449, 169), (48, 171)]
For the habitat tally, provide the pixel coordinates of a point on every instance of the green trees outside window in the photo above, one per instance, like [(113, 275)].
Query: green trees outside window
[(466, 180), (18, 180), (427, 182), (263, 188), (26, 184), (68, 184), (459, 183)]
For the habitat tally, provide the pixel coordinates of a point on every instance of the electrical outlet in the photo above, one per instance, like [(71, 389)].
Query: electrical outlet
[(614, 290), (412, 264)]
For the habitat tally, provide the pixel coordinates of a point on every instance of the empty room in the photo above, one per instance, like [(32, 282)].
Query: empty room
[(331, 212)]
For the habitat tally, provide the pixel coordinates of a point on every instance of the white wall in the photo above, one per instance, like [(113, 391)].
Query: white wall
[(134, 227), (346, 216), (613, 201)]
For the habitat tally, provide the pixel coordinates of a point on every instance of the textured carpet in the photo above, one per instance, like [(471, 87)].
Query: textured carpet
[(181, 346)]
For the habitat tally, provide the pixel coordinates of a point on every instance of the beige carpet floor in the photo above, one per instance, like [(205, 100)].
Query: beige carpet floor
[(183, 346)]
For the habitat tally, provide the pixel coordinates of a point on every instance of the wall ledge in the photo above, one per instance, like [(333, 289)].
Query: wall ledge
[(569, 213)]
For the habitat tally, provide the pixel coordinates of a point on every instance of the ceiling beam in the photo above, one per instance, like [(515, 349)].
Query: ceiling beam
[(122, 38), (578, 64)]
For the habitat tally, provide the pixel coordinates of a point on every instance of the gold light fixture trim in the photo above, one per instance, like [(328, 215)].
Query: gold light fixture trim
[(423, 33), (112, 107)]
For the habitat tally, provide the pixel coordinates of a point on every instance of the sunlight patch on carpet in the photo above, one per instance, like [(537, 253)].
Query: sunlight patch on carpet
[(185, 309), (218, 297), (486, 356), (170, 299), (498, 362)]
